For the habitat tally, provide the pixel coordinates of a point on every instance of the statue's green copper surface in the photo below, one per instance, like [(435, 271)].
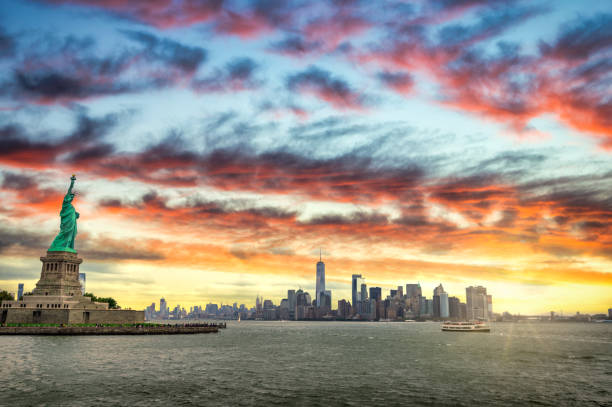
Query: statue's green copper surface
[(64, 241)]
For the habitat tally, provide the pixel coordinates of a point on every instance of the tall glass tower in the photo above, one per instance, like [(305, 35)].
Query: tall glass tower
[(320, 279), (356, 283)]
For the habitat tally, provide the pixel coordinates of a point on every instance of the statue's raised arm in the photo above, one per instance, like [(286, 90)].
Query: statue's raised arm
[(64, 241), (72, 179)]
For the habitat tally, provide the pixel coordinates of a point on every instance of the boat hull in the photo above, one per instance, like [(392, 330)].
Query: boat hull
[(467, 330)]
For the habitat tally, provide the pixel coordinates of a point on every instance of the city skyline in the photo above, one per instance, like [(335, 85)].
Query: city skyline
[(219, 144), (341, 288), (440, 306)]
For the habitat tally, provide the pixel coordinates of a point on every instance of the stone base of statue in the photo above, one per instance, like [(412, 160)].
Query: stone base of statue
[(58, 299), (59, 275)]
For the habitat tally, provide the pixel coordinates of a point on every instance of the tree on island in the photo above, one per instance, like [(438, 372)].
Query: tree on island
[(112, 304), (6, 296)]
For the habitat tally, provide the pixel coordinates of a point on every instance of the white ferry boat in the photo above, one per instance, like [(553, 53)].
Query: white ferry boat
[(472, 326)]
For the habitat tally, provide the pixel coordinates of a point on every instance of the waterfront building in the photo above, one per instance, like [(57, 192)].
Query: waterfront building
[(291, 300), (211, 309), (283, 310), (83, 281), (376, 293), (454, 310), (609, 313), (380, 309), (258, 307), (356, 283), (413, 290), (368, 310), (477, 303), (429, 308), (462, 311), (269, 310), (150, 312), (344, 309), (163, 308), (400, 291), (438, 291), (19, 291), (392, 293), (444, 311), (364, 292), (320, 283), (326, 300)]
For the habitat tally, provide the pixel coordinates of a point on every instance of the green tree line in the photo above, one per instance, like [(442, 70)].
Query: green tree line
[(112, 304)]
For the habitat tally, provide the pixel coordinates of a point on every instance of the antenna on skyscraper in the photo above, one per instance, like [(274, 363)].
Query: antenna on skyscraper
[(320, 259)]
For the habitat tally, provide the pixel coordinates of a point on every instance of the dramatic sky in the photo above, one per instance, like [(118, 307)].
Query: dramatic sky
[(219, 144)]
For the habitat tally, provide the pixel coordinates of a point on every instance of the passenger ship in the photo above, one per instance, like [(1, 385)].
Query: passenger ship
[(472, 326)]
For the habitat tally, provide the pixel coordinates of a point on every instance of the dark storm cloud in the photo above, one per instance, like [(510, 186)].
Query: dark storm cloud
[(295, 45), (401, 82), (17, 181), (173, 53), (491, 22), (196, 206), (581, 38), (15, 145), (508, 218), (10, 238), (95, 249), (120, 253), (327, 87), (84, 71), (85, 142), (7, 44), (351, 219), (159, 13), (572, 200), (238, 74)]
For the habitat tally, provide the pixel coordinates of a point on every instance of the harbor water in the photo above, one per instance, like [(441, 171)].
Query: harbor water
[(315, 364)]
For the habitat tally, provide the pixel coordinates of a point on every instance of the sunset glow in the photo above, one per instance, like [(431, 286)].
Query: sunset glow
[(219, 144)]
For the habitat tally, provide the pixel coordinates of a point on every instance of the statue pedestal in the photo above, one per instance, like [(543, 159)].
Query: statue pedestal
[(59, 275)]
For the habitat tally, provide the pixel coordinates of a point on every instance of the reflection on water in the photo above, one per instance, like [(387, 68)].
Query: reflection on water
[(315, 363)]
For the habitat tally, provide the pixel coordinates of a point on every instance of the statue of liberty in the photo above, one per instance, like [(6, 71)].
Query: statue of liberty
[(64, 241)]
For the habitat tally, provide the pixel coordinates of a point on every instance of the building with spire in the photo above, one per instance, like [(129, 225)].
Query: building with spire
[(320, 283)]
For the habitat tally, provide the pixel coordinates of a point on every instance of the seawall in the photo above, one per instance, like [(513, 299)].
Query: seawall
[(107, 330)]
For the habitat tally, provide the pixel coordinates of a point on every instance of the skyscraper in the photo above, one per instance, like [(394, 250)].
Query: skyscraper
[(320, 288), (19, 291), (163, 308), (413, 290), (326, 300), (454, 310), (356, 289), (291, 303), (364, 291), (477, 303), (444, 308), (82, 280), (376, 293), (437, 302)]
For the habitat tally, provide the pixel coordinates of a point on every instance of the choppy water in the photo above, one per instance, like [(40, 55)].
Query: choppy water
[(315, 363)]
